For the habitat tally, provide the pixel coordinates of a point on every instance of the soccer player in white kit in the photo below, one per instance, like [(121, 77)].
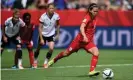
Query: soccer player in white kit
[(10, 33), (48, 32)]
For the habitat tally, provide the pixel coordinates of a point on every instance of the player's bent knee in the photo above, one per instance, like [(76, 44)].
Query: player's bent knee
[(66, 53), (51, 50), (1, 48), (96, 53), (18, 46), (29, 48)]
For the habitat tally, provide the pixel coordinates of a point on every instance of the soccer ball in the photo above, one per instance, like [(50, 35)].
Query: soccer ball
[(107, 73)]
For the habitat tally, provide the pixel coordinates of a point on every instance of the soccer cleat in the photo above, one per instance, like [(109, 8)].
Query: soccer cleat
[(45, 65), (35, 65), (94, 73), (51, 62), (32, 67), (20, 67), (14, 67)]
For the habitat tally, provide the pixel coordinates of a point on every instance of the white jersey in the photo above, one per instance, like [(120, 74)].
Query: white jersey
[(49, 24), (12, 30)]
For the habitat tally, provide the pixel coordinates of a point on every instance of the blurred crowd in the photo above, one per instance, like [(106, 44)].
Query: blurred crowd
[(67, 4)]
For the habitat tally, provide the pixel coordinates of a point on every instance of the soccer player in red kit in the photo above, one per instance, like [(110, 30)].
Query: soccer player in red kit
[(84, 40), (26, 34)]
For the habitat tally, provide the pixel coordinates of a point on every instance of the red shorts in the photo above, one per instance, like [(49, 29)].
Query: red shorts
[(78, 44), (29, 44)]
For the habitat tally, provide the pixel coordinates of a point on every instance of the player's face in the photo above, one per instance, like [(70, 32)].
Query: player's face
[(27, 19), (15, 18), (94, 11), (51, 9)]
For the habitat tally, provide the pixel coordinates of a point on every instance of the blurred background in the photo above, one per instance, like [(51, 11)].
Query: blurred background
[(114, 26), (68, 4), (113, 37)]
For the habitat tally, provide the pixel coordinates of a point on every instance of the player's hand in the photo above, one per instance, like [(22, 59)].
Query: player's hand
[(56, 37), (42, 42), (18, 38), (5, 39), (85, 39)]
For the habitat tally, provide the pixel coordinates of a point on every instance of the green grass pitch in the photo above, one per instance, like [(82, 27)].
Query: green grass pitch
[(74, 67)]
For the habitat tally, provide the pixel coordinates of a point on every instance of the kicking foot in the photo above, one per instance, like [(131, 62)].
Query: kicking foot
[(51, 62), (94, 73)]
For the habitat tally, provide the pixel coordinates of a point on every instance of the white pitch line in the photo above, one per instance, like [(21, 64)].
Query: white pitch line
[(79, 66)]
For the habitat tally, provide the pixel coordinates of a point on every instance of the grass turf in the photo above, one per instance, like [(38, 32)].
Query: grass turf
[(107, 57)]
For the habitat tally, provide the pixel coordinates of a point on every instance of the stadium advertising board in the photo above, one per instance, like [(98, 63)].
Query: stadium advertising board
[(105, 37)]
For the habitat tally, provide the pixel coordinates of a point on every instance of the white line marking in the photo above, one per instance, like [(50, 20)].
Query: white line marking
[(79, 66)]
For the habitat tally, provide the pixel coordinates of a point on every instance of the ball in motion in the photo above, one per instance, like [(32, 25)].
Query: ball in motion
[(107, 73)]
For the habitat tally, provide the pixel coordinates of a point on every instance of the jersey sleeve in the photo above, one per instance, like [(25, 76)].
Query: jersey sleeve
[(22, 23), (86, 19), (6, 22), (41, 18)]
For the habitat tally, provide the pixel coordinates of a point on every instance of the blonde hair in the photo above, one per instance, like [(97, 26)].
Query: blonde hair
[(16, 11)]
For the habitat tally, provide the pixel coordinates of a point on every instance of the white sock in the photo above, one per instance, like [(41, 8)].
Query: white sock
[(46, 61), (19, 61), (35, 61)]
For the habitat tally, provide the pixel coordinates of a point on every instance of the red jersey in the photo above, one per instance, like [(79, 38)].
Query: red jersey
[(26, 32), (89, 31), (90, 27)]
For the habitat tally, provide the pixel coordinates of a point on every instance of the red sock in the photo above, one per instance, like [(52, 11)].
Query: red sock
[(59, 56), (31, 57), (93, 62)]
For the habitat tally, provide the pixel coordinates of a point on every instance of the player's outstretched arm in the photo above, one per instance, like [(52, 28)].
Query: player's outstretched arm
[(3, 33), (57, 30), (3, 30), (82, 30), (40, 33)]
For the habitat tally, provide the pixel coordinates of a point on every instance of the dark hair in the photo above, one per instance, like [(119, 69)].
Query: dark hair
[(92, 5), (50, 5), (26, 14)]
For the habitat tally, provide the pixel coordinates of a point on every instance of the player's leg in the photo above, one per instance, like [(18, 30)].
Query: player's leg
[(17, 41), (2, 48), (19, 53), (3, 44), (49, 53), (74, 47), (36, 54), (91, 48), (15, 66), (31, 54), (95, 54), (59, 56), (37, 51)]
